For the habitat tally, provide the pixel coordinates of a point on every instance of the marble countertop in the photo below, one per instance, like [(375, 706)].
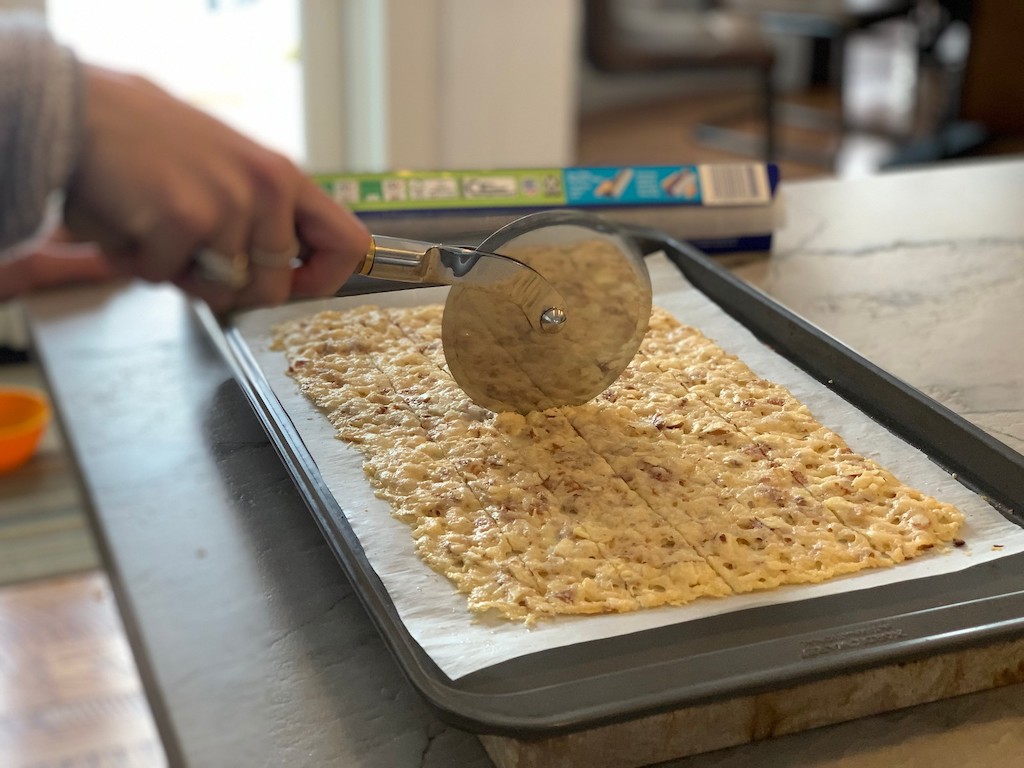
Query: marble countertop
[(254, 649), (923, 273)]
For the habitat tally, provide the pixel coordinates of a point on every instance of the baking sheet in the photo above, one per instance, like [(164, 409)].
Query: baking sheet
[(436, 615)]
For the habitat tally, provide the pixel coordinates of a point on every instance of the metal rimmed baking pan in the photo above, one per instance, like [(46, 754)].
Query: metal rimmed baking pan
[(629, 676)]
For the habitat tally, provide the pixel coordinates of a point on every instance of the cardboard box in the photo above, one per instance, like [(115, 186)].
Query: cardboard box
[(717, 207)]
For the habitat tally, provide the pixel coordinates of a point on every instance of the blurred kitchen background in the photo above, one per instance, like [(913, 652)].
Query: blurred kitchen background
[(852, 86), (826, 87)]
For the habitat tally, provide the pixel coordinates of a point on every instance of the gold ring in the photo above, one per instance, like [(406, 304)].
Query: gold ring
[(278, 260), (215, 267)]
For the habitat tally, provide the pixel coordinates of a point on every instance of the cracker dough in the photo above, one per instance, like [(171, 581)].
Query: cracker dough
[(689, 477)]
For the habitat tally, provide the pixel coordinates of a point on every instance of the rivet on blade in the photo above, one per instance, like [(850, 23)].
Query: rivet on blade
[(552, 318)]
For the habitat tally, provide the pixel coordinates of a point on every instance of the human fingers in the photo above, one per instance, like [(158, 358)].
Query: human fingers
[(157, 180), (288, 207), (132, 175), (273, 242), (335, 242), (243, 212), (219, 271)]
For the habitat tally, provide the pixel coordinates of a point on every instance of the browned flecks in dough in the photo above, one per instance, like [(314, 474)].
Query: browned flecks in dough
[(690, 477)]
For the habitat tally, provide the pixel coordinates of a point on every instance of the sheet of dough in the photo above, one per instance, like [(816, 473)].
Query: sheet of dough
[(436, 614)]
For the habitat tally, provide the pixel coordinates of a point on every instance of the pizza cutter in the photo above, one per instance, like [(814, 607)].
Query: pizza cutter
[(548, 311)]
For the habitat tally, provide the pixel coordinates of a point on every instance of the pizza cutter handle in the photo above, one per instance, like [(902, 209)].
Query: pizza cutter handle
[(415, 261)]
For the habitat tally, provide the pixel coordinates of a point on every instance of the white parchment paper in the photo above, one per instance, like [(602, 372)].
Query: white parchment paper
[(436, 615)]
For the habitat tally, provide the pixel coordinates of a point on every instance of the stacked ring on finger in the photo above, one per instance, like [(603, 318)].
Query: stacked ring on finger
[(276, 260), (229, 271)]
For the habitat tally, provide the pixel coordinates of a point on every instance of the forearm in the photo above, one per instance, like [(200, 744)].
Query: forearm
[(53, 263), (40, 123)]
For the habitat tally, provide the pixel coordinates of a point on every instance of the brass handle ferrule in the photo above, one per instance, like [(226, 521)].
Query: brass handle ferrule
[(367, 264)]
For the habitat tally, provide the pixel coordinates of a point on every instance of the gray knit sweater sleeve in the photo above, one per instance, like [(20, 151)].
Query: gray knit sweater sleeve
[(40, 122)]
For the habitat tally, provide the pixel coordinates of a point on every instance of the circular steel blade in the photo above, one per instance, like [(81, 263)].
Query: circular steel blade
[(503, 363)]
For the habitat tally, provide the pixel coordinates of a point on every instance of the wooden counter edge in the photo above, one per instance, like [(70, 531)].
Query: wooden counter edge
[(731, 722)]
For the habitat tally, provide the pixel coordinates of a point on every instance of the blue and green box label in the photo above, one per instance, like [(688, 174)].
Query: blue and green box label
[(520, 188)]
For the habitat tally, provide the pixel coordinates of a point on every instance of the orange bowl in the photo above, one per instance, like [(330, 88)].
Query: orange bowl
[(24, 416)]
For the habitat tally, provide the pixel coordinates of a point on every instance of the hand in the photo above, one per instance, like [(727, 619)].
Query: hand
[(158, 180), (50, 263)]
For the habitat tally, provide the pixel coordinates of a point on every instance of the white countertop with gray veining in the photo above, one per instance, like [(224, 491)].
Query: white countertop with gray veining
[(253, 646)]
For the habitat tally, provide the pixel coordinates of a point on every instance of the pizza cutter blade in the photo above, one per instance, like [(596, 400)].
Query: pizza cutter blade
[(547, 311), (505, 364)]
